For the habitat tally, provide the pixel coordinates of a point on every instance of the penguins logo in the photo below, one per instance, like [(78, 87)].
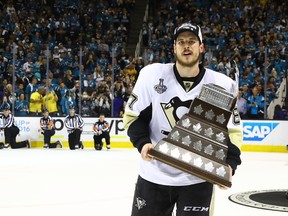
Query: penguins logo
[(174, 110)]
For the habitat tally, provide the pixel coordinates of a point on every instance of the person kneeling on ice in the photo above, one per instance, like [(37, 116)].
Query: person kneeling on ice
[(101, 130), (74, 124), (11, 131), (48, 130)]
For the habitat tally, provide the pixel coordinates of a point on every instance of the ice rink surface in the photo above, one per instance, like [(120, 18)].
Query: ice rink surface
[(40, 182)]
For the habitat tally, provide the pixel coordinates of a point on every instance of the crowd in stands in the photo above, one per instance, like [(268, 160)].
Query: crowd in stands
[(62, 52), (253, 34), (57, 36)]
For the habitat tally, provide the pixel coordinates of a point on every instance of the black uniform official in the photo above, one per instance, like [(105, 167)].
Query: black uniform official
[(74, 124), (101, 130), (48, 130), (11, 131)]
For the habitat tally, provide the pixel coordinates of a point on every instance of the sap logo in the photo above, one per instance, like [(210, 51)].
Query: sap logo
[(257, 131)]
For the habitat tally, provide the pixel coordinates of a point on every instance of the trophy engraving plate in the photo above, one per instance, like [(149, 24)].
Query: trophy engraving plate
[(197, 144)]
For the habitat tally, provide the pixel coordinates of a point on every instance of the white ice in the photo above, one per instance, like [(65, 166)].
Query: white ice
[(40, 182)]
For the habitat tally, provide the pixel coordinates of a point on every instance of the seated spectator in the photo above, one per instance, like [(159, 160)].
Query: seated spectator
[(5, 104), (278, 113), (21, 106), (98, 75), (131, 71), (28, 68), (86, 105), (19, 90)]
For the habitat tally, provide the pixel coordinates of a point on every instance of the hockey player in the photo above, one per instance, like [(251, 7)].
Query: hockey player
[(48, 130), (74, 124), (11, 131), (101, 130), (161, 96)]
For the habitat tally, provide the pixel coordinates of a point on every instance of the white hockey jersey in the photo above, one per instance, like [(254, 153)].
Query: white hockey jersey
[(158, 101)]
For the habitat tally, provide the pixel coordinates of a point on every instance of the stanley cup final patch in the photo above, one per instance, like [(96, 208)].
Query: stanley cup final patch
[(160, 88)]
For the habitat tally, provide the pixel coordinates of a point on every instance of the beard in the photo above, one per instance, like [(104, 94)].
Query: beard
[(187, 63)]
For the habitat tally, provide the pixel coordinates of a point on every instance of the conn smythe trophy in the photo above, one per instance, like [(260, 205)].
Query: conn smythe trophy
[(198, 142)]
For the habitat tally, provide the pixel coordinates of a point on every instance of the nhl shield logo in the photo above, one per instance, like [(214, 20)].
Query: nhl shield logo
[(160, 88)]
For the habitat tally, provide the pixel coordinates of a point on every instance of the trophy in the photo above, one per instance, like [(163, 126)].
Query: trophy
[(198, 142)]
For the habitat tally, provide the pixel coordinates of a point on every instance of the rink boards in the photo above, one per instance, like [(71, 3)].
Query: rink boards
[(265, 136)]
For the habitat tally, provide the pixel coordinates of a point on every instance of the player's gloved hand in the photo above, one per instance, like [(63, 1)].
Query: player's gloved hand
[(145, 150)]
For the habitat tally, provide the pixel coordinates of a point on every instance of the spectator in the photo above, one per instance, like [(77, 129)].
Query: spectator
[(278, 113), (28, 68), (255, 104), (241, 104), (66, 102), (31, 87), (270, 93), (98, 75), (131, 71), (88, 82), (19, 90), (89, 64), (21, 106), (69, 80), (86, 105), (50, 102), (36, 102)]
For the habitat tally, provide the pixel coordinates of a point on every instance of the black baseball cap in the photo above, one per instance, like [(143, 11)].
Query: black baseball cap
[(188, 27)]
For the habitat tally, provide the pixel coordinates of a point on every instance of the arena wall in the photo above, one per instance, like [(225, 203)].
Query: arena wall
[(262, 136)]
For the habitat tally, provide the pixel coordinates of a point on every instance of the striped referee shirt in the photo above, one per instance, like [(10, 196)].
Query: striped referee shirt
[(73, 122), (8, 120), (46, 122)]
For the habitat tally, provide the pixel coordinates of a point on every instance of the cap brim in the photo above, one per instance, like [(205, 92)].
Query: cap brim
[(186, 30)]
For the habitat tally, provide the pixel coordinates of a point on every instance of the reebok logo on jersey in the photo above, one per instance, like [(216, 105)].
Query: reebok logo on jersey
[(160, 88), (140, 203)]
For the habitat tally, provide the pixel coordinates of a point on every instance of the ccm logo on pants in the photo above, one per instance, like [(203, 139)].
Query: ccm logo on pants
[(195, 208)]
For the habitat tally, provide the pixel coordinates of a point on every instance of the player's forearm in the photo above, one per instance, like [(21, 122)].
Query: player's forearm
[(138, 132)]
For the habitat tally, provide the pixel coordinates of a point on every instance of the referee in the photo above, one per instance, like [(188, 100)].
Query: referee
[(48, 130), (74, 124), (11, 131)]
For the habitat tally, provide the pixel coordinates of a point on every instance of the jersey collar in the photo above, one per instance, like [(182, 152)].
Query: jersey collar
[(189, 83)]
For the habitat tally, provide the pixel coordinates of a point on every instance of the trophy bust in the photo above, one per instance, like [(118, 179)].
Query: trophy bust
[(198, 142)]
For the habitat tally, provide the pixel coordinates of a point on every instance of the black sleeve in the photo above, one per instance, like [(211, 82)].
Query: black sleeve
[(233, 156), (138, 131)]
